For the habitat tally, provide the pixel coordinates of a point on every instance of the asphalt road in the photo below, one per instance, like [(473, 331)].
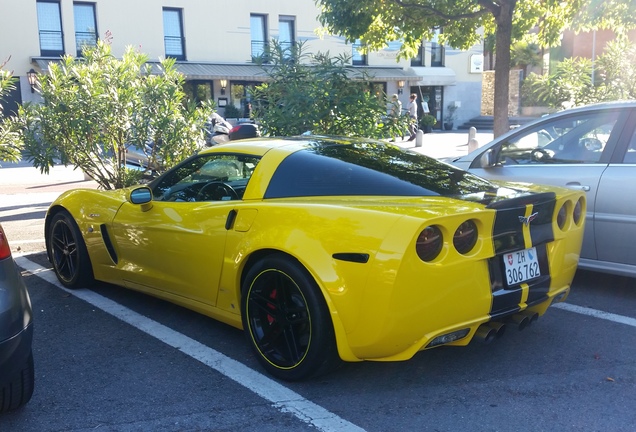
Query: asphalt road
[(110, 359)]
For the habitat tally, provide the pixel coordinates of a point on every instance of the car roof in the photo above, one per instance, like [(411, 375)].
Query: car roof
[(286, 145), (613, 105)]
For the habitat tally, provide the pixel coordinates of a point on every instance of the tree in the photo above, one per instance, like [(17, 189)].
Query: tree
[(524, 55), (571, 83), (9, 137), (376, 22), (96, 107), (316, 93)]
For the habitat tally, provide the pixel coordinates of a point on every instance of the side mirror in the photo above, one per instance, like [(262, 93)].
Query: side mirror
[(487, 159), (143, 196)]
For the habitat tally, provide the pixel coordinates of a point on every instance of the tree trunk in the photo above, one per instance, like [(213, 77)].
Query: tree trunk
[(502, 66)]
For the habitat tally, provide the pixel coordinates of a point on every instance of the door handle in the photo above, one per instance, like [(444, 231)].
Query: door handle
[(578, 186)]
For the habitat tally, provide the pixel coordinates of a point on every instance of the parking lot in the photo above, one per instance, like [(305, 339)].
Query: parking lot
[(113, 359)]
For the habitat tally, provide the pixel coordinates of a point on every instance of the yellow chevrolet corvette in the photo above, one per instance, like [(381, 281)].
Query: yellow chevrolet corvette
[(323, 249)]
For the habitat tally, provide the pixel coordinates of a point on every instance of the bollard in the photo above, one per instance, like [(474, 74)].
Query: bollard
[(419, 138), (472, 145), (472, 133)]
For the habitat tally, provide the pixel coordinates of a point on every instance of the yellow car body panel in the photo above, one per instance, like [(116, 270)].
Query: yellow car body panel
[(387, 308)]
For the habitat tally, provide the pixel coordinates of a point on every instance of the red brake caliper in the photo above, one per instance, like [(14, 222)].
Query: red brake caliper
[(272, 295)]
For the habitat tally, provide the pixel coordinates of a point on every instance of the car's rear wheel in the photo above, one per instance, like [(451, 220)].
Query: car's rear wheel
[(286, 320), (68, 252), (18, 390)]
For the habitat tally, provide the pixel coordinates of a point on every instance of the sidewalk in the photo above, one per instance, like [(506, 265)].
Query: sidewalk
[(445, 144)]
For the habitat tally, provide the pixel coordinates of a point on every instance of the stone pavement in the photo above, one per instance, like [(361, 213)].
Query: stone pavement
[(21, 178)]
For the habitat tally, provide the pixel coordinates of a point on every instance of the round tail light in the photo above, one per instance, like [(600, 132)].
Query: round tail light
[(562, 217), (429, 243), (578, 211), (465, 237)]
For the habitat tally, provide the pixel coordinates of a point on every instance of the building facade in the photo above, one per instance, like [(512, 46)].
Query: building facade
[(215, 47)]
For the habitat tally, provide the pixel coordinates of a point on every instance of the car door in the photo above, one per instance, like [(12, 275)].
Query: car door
[(615, 211), (176, 243), (569, 150)]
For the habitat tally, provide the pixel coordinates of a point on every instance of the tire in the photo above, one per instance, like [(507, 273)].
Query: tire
[(68, 252), (19, 389), (286, 320)]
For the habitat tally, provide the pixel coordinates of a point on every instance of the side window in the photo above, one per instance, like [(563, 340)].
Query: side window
[(571, 140), (630, 155), (211, 177)]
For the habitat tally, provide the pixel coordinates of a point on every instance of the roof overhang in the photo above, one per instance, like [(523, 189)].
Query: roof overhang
[(383, 73), (435, 76), (254, 72)]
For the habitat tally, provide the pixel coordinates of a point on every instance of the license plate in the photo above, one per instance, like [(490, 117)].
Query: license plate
[(521, 266)]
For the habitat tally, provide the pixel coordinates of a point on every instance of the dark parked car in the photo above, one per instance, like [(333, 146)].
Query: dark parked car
[(591, 149), (16, 333)]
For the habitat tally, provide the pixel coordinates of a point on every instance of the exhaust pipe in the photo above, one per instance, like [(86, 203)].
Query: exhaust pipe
[(486, 333), (489, 331), (523, 319), (500, 328)]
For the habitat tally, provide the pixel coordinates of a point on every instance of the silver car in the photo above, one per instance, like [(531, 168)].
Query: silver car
[(16, 334), (591, 148)]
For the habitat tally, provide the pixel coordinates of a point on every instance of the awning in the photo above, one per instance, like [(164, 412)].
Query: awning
[(43, 62), (435, 76), (213, 71), (385, 73), (254, 72)]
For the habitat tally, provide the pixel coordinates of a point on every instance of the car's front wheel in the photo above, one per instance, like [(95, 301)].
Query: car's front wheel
[(68, 253), (286, 320)]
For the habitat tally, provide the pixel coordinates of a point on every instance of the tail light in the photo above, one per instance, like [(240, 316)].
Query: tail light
[(5, 250), (465, 237), (429, 243), (562, 216), (578, 211)]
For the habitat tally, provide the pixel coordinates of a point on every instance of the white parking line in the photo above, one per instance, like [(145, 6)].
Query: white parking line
[(281, 397), (596, 313)]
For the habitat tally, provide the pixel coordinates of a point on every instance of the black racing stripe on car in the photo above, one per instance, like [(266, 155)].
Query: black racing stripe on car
[(541, 227), (510, 219), (506, 299), (540, 287), (508, 231), (361, 258)]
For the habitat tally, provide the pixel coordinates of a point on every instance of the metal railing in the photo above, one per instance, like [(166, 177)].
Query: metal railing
[(175, 47)]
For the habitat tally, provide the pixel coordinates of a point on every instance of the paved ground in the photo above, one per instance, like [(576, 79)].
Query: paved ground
[(446, 144), (19, 178)]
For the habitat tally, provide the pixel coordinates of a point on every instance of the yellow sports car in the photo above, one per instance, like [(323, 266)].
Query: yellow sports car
[(324, 249)]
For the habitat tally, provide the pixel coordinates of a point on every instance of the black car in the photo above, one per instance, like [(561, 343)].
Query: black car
[(16, 333)]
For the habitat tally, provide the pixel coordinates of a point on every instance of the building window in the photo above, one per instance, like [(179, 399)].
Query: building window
[(437, 50), (258, 31), (286, 32), (418, 60), (357, 58), (85, 26), (50, 28), (174, 41)]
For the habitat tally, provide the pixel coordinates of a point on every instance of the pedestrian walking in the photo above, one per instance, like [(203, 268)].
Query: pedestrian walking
[(395, 112), (412, 109)]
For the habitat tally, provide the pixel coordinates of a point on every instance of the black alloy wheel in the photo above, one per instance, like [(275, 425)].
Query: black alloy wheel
[(68, 253), (286, 320)]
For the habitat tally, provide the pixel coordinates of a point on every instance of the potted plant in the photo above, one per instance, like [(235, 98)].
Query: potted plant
[(427, 122), (449, 118)]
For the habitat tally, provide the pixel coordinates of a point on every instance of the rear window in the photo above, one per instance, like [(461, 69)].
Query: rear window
[(368, 169)]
